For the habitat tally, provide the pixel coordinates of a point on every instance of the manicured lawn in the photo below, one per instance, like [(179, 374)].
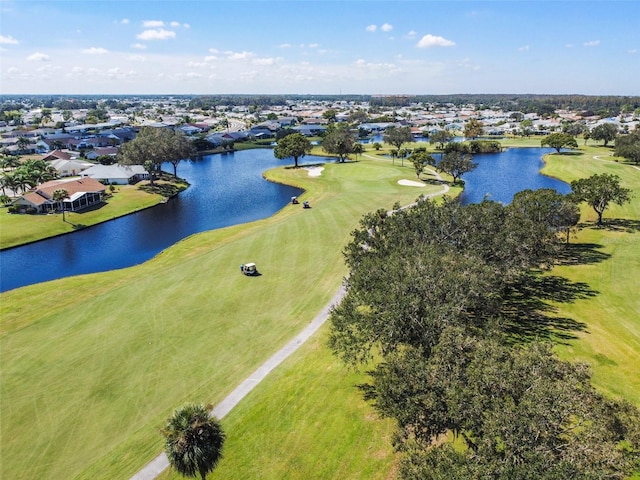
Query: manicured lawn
[(16, 229), (611, 342), (94, 364), (307, 421)]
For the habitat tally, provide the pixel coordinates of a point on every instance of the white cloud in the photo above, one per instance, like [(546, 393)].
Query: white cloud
[(429, 41), (592, 43), (285, 45), (173, 24), (136, 58), (13, 70), (314, 45), (125, 21), (411, 34), (210, 58), (116, 72), (632, 51), (386, 27), (372, 28), (95, 51), (153, 23), (239, 55), (139, 46), (266, 61), (186, 25), (524, 48), (8, 40), (214, 51), (196, 64), (156, 34), (38, 57)]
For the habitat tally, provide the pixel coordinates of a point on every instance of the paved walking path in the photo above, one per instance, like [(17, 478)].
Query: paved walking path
[(599, 157), (160, 463)]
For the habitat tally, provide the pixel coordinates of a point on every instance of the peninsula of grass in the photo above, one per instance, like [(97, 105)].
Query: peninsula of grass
[(94, 364), (18, 229)]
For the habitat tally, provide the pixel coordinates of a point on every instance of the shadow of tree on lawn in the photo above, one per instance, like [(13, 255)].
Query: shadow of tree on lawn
[(624, 225), (529, 314), (582, 254)]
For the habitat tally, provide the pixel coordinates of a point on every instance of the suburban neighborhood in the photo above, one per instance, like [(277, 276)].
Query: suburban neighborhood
[(75, 144)]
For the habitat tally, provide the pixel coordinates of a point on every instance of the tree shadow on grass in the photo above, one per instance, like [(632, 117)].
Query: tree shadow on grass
[(582, 254), (432, 181), (621, 225), (528, 313)]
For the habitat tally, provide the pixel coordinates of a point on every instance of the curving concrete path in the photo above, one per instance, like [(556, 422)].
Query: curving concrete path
[(156, 466), (161, 462)]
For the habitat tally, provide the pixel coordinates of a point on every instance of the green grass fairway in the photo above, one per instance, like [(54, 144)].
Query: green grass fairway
[(92, 365), (611, 343), (307, 421)]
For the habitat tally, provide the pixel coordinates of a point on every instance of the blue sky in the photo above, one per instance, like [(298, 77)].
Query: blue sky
[(319, 47)]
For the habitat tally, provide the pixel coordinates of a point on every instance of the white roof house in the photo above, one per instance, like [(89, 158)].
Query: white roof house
[(69, 168), (117, 174)]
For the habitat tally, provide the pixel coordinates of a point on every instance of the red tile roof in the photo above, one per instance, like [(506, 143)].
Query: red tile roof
[(83, 185)]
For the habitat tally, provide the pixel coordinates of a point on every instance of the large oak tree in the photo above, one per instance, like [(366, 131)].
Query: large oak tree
[(294, 145)]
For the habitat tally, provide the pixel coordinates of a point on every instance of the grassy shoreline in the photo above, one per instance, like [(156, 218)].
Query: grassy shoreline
[(126, 347), (22, 229)]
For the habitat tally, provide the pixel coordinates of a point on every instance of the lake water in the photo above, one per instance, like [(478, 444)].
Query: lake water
[(500, 176), (225, 190)]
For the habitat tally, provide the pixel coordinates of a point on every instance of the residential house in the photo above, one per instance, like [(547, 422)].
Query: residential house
[(57, 155), (116, 174), (82, 193), (100, 151), (310, 130), (70, 167)]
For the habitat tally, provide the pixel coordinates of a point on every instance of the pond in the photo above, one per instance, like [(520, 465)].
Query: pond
[(226, 189), (499, 176)]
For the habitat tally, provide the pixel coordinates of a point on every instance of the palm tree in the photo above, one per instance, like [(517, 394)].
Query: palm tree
[(194, 440), (23, 143), (59, 196)]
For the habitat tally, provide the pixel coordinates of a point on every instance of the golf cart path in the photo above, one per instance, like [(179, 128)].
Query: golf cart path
[(161, 462), (599, 157)]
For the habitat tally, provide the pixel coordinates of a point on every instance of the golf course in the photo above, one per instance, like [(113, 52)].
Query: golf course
[(93, 365)]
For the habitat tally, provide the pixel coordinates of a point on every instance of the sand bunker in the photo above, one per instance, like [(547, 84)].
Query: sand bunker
[(315, 171), (411, 183)]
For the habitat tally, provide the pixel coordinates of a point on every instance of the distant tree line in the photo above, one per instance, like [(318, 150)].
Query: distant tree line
[(603, 105)]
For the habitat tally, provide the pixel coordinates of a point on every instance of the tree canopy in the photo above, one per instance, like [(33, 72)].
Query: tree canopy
[(397, 136), (456, 164), (606, 132), (440, 295), (599, 191), (473, 128), (295, 146), (153, 146), (339, 140), (559, 141), (440, 138), (628, 146)]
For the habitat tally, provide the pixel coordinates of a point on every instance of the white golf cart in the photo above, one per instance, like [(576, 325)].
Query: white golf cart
[(249, 269)]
